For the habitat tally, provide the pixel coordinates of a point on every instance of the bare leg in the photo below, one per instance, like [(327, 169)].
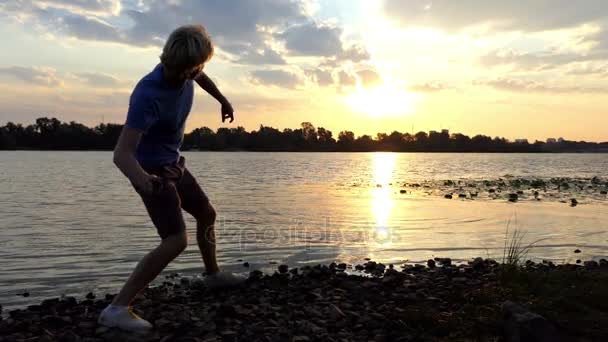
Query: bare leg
[(205, 236), (150, 266)]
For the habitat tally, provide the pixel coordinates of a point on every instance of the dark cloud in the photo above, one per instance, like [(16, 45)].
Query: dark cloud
[(88, 28), (37, 76), (312, 39), (536, 15), (278, 78), (237, 21)]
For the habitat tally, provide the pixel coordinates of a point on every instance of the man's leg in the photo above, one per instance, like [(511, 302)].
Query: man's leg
[(164, 208), (205, 237), (195, 202), (150, 266)]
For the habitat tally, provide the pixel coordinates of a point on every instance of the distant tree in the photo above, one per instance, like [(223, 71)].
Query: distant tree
[(346, 140), (52, 134)]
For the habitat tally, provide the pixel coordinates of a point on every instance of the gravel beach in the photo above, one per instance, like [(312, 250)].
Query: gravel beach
[(477, 301)]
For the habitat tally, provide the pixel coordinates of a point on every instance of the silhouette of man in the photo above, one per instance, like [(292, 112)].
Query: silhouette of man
[(147, 153)]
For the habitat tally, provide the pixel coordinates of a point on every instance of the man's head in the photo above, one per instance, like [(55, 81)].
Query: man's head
[(186, 51)]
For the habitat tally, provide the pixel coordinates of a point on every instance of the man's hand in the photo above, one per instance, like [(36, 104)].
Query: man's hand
[(227, 111), (147, 184), (207, 84)]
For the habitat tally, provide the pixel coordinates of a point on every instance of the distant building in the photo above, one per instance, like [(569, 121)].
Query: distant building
[(445, 131)]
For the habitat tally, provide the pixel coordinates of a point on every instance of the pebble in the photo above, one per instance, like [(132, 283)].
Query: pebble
[(321, 303), (448, 196)]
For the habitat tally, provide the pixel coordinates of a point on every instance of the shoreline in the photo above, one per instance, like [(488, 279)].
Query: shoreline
[(439, 301)]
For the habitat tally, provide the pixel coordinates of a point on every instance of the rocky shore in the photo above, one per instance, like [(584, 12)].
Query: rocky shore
[(568, 190), (478, 301)]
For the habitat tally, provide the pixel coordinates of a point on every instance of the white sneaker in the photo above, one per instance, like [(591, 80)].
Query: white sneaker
[(223, 280), (124, 318)]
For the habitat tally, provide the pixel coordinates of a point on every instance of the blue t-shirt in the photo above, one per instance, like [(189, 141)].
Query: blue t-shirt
[(160, 111)]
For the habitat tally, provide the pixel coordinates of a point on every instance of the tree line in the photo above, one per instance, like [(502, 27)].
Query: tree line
[(52, 134)]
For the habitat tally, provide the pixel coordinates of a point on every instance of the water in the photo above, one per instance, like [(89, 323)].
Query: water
[(70, 222)]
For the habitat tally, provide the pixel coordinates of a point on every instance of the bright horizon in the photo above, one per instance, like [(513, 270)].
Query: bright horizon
[(497, 68)]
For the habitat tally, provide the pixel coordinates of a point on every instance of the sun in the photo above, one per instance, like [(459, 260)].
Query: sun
[(382, 100)]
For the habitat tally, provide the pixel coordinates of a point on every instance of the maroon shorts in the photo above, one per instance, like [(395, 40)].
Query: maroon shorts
[(176, 190)]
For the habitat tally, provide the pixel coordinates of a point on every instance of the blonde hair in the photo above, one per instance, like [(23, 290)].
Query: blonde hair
[(188, 46)]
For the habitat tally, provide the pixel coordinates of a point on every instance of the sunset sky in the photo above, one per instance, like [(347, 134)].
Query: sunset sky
[(521, 69)]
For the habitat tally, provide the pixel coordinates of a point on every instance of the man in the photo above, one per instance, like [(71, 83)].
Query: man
[(147, 153)]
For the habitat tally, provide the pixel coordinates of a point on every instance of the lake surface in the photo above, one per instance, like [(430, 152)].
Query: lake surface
[(70, 222)]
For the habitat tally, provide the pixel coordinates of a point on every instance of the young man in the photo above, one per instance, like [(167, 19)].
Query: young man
[(147, 153)]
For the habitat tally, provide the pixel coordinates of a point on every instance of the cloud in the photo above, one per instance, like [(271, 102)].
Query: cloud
[(355, 53), (237, 21), (426, 88), (321, 77), (529, 61), (539, 15), (588, 69), (34, 75), (89, 6), (98, 79), (369, 77), (346, 80), (321, 40), (264, 57), (525, 86), (278, 78), (312, 39), (88, 28)]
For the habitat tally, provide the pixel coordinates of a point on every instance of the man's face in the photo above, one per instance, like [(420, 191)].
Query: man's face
[(191, 73)]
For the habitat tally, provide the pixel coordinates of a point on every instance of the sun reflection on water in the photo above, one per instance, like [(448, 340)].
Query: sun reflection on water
[(383, 165)]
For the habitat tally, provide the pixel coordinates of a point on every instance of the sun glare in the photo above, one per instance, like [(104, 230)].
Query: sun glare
[(383, 165), (386, 99)]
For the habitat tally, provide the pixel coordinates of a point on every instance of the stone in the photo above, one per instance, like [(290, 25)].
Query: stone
[(283, 268), (573, 202), (402, 191), (523, 325), (431, 263), (591, 264), (513, 197), (245, 264), (577, 251), (448, 196), (90, 295)]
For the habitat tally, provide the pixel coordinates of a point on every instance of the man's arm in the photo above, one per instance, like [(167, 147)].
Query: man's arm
[(207, 84), (124, 158)]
